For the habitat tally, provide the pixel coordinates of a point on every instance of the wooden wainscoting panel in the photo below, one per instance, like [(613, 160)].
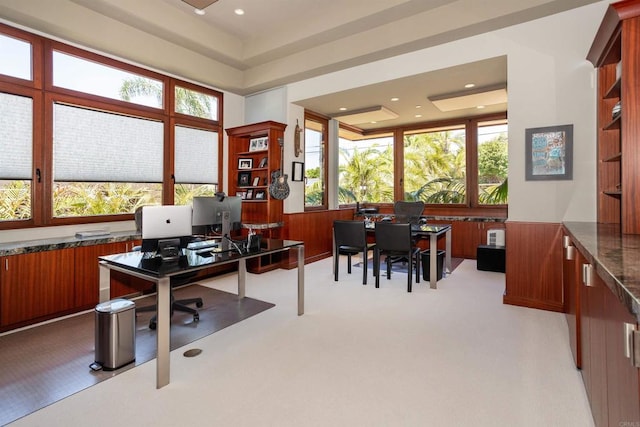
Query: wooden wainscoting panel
[(534, 265), (314, 228)]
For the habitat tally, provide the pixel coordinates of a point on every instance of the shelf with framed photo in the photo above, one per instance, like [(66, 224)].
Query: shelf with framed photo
[(260, 143)]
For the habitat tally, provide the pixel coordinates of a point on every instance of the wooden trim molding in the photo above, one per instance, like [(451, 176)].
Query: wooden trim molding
[(534, 265)]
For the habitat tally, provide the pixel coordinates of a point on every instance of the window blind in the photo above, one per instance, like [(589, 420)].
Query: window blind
[(16, 137), (196, 156), (96, 146)]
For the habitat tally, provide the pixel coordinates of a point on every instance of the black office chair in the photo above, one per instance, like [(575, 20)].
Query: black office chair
[(408, 212), (395, 240), (175, 281), (350, 238)]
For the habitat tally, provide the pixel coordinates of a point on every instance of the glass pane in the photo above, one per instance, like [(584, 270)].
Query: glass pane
[(435, 165), (196, 156), (16, 57), (314, 185), (73, 199), (86, 76), (16, 136), (184, 193), (365, 170), (104, 163), (197, 104), (493, 162), (15, 200)]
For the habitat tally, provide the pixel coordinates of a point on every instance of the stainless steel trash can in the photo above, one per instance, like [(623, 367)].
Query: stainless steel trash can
[(115, 333)]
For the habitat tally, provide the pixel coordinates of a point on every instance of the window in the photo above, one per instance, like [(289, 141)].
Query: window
[(16, 145), (16, 57), (196, 164), (94, 138), (315, 153), (195, 103), (365, 169), (104, 163), (492, 162), (435, 165), (72, 72)]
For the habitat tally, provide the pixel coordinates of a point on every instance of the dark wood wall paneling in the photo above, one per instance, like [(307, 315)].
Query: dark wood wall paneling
[(534, 265)]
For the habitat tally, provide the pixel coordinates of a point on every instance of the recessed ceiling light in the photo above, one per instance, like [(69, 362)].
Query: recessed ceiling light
[(343, 108), (199, 12), (469, 85), (395, 99), (417, 116), (418, 106), (239, 11), (373, 123), (480, 107)]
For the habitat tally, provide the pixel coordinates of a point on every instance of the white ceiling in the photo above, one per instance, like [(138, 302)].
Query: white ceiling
[(282, 41)]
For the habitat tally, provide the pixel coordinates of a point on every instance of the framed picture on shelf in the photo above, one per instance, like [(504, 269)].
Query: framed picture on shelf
[(249, 194), (258, 144), (245, 163), (263, 162), (241, 194), (244, 179), (260, 194), (549, 153), (256, 181)]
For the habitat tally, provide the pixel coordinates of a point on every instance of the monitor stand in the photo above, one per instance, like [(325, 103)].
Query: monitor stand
[(226, 230)]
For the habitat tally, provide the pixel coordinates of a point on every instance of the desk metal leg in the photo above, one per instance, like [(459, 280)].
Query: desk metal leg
[(242, 277), (163, 332), (447, 255), (104, 287), (300, 280), (433, 261)]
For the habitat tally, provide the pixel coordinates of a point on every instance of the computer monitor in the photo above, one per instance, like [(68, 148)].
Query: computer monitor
[(209, 213), (166, 229)]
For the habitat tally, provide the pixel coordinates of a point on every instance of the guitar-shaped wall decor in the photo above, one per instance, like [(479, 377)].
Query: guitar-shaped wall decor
[(279, 188)]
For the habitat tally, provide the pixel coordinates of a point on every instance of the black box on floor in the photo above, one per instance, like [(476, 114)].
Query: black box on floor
[(491, 258)]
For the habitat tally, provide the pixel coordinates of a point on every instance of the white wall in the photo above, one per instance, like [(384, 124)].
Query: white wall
[(549, 83)]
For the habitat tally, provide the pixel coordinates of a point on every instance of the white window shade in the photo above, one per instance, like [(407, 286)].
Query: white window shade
[(16, 137), (95, 146), (196, 156)]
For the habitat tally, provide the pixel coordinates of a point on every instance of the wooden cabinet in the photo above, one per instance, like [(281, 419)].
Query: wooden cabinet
[(611, 381), (255, 153), (35, 286), (616, 54)]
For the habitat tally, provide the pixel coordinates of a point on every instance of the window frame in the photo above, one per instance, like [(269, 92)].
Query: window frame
[(471, 205), (44, 95), (324, 122)]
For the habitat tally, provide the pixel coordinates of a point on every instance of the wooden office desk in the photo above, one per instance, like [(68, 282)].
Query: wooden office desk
[(140, 265)]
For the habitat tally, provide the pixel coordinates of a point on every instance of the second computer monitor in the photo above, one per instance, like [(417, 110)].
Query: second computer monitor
[(216, 213)]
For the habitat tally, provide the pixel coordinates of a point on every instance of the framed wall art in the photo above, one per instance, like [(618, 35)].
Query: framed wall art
[(549, 153)]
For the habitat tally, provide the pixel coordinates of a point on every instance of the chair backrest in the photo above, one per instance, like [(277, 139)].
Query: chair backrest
[(391, 236), (408, 212), (350, 233)]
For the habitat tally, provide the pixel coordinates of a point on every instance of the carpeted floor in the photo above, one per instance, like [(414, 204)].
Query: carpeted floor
[(43, 364)]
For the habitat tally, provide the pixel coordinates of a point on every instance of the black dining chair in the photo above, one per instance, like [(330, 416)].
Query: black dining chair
[(394, 240), (350, 238)]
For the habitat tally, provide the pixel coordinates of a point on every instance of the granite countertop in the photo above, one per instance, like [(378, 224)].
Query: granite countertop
[(615, 256), (41, 245)]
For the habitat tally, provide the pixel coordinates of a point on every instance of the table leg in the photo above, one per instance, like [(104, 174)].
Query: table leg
[(242, 277), (163, 331), (301, 280), (447, 255), (433, 261), (104, 287)]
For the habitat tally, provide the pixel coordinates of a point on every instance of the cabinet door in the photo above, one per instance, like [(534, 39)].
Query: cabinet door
[(87, 275), (593, 337), (622, 378), (571, 289), (36, 285)]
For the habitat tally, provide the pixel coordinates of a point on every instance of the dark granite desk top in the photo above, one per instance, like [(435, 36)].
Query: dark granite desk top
[(615, 256), (41, 245)]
